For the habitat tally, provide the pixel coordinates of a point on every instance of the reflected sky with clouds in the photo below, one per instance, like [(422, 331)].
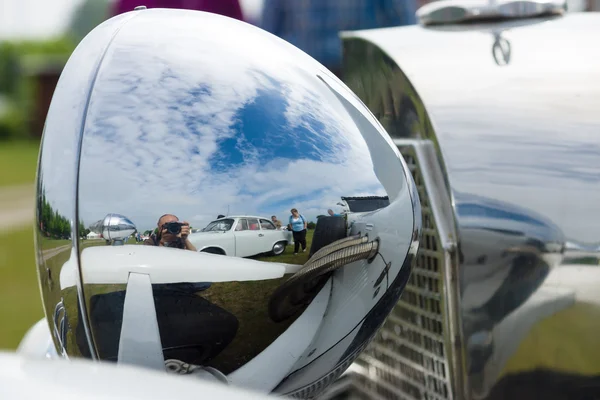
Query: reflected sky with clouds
[(58, 160), (194, 131)]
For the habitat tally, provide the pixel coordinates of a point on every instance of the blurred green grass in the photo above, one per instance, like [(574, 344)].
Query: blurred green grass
[(19, 293), (18, 161), (565, 341)]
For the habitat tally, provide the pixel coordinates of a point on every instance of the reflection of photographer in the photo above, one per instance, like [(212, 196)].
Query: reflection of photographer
[(171, 233)]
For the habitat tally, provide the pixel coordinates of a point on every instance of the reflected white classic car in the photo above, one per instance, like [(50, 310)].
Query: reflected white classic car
[(241, 236)]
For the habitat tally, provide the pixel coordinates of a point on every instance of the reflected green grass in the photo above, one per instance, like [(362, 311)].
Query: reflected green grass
[(248, 301), (48, 244)]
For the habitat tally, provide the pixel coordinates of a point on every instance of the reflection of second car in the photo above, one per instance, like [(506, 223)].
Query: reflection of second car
[(241, 236)]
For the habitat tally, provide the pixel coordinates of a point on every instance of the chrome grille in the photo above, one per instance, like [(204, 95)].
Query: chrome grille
[(315, 388), (410, 355)]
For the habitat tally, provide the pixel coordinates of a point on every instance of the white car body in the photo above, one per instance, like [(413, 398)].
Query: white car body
[(29, 376), (244, 236)]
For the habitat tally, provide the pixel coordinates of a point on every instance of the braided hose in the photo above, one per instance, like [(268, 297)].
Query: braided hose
[(335, 260), (305, 284), (338, 245)]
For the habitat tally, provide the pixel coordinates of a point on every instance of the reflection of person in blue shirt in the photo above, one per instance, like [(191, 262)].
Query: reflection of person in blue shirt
[(297, 224), (332, 214)]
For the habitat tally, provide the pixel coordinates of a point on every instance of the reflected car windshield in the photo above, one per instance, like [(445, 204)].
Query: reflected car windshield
[(219, 225), (365, 204)]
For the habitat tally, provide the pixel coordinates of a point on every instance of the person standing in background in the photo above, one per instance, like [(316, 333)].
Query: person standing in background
[(228, 8), (314, 25), (276, 222), (297, 224)]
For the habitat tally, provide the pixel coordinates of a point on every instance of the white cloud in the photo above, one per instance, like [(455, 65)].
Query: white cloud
[(150, 145)]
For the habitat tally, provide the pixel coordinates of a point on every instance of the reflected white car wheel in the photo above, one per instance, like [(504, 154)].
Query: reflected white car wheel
[(279, 248)]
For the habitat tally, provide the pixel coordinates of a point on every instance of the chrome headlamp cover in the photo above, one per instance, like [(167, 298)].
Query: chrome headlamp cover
[(183, 112)]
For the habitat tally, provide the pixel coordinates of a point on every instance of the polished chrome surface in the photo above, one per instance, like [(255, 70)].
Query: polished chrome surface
[(519, 148), (412, 355), (56, 227), (462, 11), (190, 120), (117, 228), (582, 252)]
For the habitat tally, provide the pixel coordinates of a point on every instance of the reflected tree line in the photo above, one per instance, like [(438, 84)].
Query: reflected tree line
[(386, 91), (54, 225)]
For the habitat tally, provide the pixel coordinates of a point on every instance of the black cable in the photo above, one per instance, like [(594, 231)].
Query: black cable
[(387, 270)]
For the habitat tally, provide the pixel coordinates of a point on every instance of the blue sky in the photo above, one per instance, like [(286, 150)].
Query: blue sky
[(195, 134)]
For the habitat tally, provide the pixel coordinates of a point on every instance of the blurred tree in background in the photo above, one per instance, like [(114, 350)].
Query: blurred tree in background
[(29, 70), (83, 231), (87, 16), (18, 87)]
